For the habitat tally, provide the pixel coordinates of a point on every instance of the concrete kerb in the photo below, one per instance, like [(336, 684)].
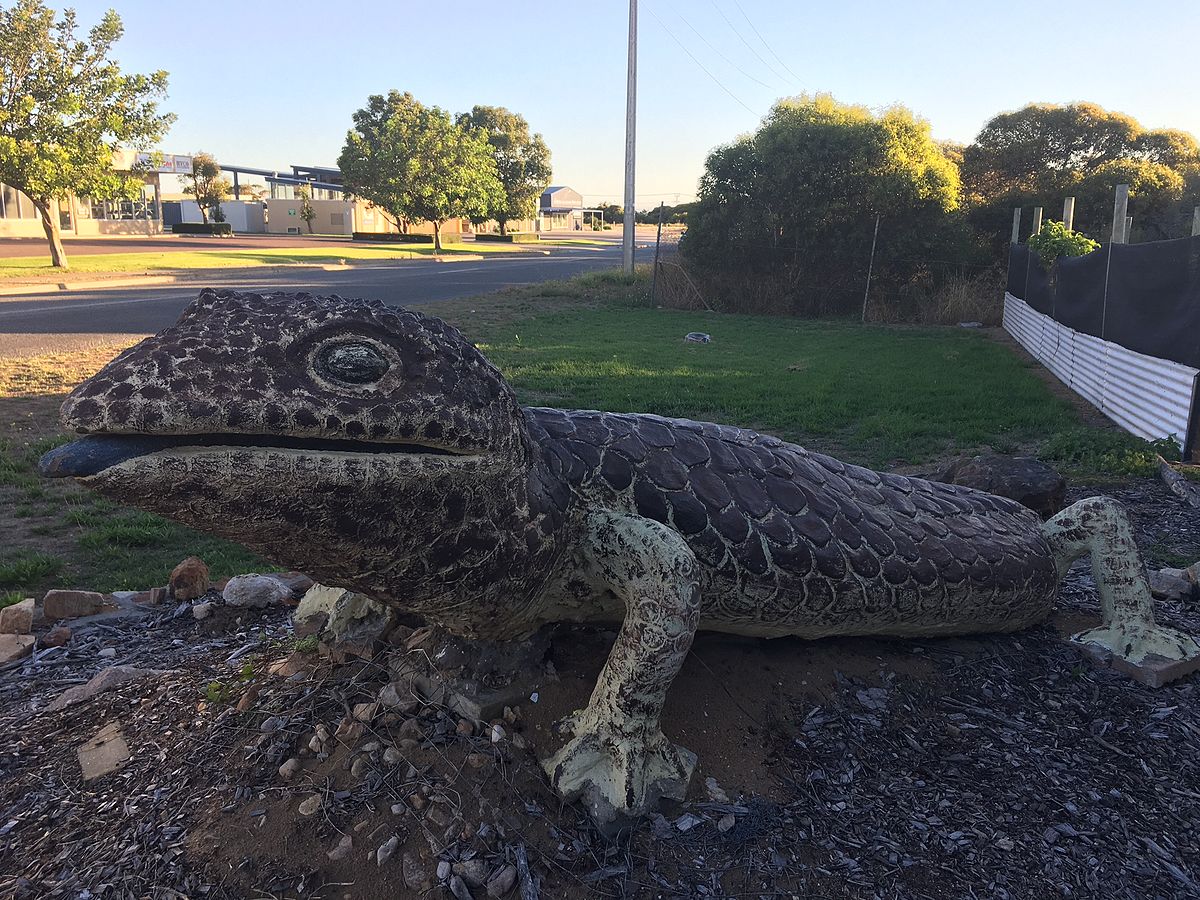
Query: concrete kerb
[(186, 275)]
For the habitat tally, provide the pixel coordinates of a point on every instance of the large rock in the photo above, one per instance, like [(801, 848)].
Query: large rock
[(256, 591), (348, 623), (71, 604), (17, 618), (189, 579), (15, 646), (1024, 479)]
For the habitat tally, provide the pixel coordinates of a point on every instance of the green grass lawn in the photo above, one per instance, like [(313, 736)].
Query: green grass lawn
[(137, 263), (882, 396)]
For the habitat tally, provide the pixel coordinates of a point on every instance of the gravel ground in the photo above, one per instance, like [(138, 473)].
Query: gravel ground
[(1003, 767)]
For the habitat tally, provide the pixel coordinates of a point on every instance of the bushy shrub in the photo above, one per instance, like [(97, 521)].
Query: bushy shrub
[(1055, 239), (392, 238), (513, 237)]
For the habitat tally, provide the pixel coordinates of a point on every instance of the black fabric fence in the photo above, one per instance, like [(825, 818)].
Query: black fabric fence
[(1145, 297)]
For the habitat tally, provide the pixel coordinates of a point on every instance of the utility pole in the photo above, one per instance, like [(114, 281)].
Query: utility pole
[(630, 141)]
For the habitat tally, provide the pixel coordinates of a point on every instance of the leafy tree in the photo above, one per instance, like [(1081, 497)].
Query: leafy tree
[(612, 213), (207, 186), (65, 108), (307, 212), (793, 206), (414, 162), (1043, 152), (522, 161)]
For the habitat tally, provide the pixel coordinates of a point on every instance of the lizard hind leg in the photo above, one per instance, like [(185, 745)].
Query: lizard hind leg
[(1099, 526), (619, 763)]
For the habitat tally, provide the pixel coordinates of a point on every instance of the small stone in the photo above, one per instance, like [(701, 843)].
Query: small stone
[(322, 733), (107, 653), (343, 848), (17, 618), (397, 696), (399, 809), (1005, 843), (289, 769), (203, 610), (59, 636), (189, 579), (361, 767), (417, 801), (365, 712), (438, 817), (410, 729), (459, 888), (498, 733), (71, 604), (715, 792), (247, 699), (271, 724), (502, 882), (443, 870), (511, 715), (413, 871), (519, 742), (408, 746), (370, 747), (473, 871), (315, 744), (152, 597), (310, 806), (464, 728), (478, 760), (727, 821), (349, 731), (392, 756), (387, 850), (256, 591), (15, 646)]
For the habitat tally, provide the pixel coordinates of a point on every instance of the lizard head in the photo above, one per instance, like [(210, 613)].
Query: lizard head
[(319, 430)]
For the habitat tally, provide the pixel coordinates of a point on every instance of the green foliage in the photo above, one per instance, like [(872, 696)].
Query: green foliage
[(792, 207), (522, 162), (206, 186), (1055, 240), (65, 108), (28, 569), (1107, 453), (413, 162), (307, 644), (10, 597)]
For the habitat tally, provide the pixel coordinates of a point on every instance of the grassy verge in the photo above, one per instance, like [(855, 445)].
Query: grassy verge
[(882, 396), (137, 263)]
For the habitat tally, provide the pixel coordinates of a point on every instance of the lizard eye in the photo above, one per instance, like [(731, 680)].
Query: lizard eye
[(353, 362)]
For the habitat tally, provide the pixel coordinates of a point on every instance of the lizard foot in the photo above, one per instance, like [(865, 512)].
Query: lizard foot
[(1134, 643), (617, 773)]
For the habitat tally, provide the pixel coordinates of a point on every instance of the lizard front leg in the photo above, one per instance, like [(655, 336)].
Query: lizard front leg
[(619, 763)]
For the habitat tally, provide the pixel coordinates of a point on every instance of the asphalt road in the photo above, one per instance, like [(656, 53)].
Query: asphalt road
[(38, 323)]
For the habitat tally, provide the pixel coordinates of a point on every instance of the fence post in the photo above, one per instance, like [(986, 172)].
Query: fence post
[(657, 242), (1128, 229), (1196, 222), (1016, 230), (1069, 213), (1120, 210), (1037, 220), (870, 266)]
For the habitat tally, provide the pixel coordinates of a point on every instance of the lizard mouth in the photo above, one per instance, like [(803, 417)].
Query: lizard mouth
[(93, 454)]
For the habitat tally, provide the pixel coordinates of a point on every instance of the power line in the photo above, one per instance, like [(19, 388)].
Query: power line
[(749, 47), (719, 83), (764, 42), (720, 54)]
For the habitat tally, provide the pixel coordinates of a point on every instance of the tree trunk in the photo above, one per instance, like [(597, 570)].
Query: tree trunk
[(203, 212), (48, 210), (437, 236), (503, 229)]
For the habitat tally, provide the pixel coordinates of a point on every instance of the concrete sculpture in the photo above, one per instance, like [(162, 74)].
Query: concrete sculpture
[(377, 449)]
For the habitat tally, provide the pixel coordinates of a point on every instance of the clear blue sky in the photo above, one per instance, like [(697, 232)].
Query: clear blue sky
[(268, 84)]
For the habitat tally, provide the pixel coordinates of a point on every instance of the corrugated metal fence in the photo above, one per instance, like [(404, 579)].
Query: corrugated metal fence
[(1147, 396)]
